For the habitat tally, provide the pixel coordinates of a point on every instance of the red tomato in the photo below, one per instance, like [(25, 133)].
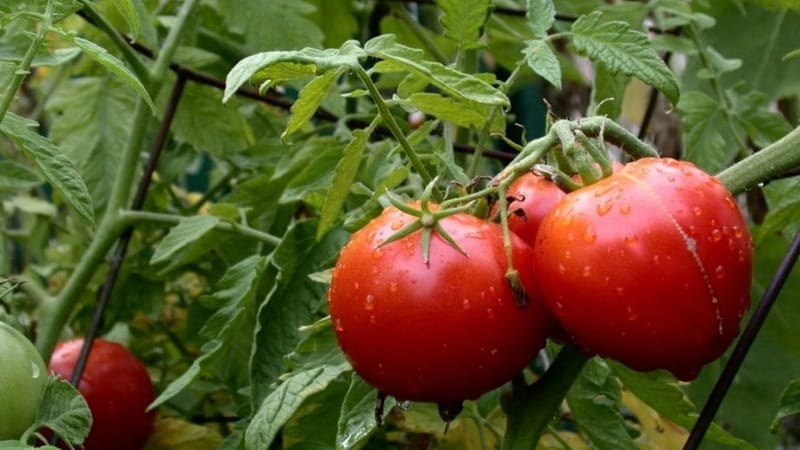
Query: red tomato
[(534, 197), (118, 390), (650, 266), (440, 332)]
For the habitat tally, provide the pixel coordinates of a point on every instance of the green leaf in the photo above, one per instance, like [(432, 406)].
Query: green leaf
[(399, 58), (357, 416), (272, 24), (16, 177), (463, 21), (662, 392), (280, 405), (91, 119), (301, 63), (338, 20), (543, 61), (608, 92), (718, 65), (460, 112), (292, 302), (594, 400), (185, 233), (63, 410), (114, 65), (51, 161), (792, 54), (789, 403), (541, 14), (703, 143), (345, 174), (309, 100), (783, 198), (127, 9), (623, 50), (234, 294)]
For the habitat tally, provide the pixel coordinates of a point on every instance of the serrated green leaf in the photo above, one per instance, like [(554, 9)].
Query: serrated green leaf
[(608, 92), (594, 400), (232, 296), (783, 197), (127, 10), (91, 119), (543, 61), (703, 143), (185, 233), (399, 58), (540, 15), (52, 162), (662, 392), (624, 50), (309, 100), (345, 174), (279, 406), (318, 347), (16, 177), (463, 20), (460, 112), (348, 55), (789, 403), (292, 302), (357, 415), (64, 411), (114, 65)]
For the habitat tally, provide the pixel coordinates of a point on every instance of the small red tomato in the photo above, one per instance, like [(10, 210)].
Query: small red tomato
[(534, 196), (118, 390), (650, 266), (439, 332)]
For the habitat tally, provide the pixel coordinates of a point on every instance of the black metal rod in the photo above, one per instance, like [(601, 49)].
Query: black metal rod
[(743, 346)]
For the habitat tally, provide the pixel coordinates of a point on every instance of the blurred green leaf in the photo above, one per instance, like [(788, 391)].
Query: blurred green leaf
[(703, 143), (463, 21), (15, 177), (185, 233), (273, 24), (309, 99), (789, 403)]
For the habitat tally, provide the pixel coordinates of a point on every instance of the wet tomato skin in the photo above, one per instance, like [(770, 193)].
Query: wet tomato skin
[(533, 197), (440, 332), (117, 388), (651, 266)]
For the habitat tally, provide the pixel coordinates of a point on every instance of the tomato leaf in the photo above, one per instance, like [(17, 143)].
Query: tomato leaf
[(789, 403), (309, 99), (463, 21), (185, 233), (272, 24), (64, 411), (175, 434), (595, 400), (357, 416), (396, 57), (461, 112), (608, 92), (290, 65), (345, 174), (704, 145), (662, 392), (114, 65), (541, 14), (234, 294), (51, 161), (543, 61), (624, 50), (127, 9), (280, 405), (16, 177)]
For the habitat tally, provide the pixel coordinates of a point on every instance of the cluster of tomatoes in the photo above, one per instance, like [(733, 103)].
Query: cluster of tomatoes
[(650, 266)]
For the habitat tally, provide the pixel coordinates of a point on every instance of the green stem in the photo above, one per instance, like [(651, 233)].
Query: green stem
[(172, 40), (22, 69), (532, 409), (97, 19), (776, 158), (616, 134), (393, 126), (129, 217), (419, 31)]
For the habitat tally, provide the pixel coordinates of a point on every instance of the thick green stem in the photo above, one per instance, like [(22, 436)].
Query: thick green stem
[(391, 123), (534, 406), (22, 69), (776, 158)]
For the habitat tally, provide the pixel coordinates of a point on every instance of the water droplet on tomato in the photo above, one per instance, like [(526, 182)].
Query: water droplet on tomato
[(737, 231), (692, 230), (714, 300), (719, 272), (392, 287), (562, 269), (587, 271), (632, 240), (372, 319), (697, 211), (631, 316), (656, 259), (716, 235), (396, 225), (491, 289), (356, 286), (730, 203), (742, 257), (570, 237), (490, 313), (338, 324), (686, 171), (620, 290), (589, 236), (466, 304), (494, 352), (603, 208), (369, 302), (625, 209), (567, 254)]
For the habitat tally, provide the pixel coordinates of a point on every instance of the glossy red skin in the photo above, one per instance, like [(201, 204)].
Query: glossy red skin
[(651, 266), (118, 390), (535, 196), (443, 332)]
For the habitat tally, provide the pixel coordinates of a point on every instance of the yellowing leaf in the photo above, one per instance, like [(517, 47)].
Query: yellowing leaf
[(176, 434)]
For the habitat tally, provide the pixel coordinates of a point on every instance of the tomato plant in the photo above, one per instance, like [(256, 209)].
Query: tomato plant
[(117, 388), (22, 381), (442, 331), (651, 266)]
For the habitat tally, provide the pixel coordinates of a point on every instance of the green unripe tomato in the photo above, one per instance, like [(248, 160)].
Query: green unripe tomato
[(23, 377)]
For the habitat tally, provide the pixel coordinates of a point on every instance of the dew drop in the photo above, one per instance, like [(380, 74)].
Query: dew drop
[(494, 352), (737, 231), (589, 236), (730, 203), (656, 259), (396, 225), (338, 324), (692, 230), (631, 316), (716, 235), (466, 304), (741, 256), (587, 271), (372, 319), (369, 303), (603, 208), (625, 209), (490, 313), (491, 289), (567, 254), (562, 269), (686, 171), (559, 305), (714, 300), (620, 290), (392, 287), (697, 211), (356, 286), (719, 272), (570, 237), (607, 280), (36, 371)]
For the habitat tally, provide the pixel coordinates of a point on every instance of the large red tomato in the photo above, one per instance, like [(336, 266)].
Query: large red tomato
[(118, 390), (650, 266), (441, 332)]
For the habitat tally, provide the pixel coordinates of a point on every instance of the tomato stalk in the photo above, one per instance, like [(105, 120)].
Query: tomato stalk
[(759, 167), (532, 407)]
